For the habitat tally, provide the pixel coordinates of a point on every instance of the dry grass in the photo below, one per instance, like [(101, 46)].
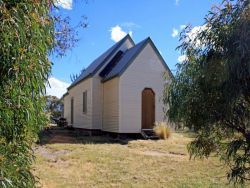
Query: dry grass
[(162, 130), (101, 162)]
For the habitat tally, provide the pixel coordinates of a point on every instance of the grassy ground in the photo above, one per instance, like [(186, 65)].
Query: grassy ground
[(65, 161)]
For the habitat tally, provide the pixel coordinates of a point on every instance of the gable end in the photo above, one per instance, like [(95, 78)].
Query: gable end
[(147, 41)]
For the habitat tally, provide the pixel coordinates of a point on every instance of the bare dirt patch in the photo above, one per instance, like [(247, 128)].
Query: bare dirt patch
[(44, 152), (58, 135), (62, 139), (162, 154)]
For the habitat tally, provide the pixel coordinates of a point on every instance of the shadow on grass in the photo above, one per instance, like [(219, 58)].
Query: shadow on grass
[(187, 133), (71, 136)]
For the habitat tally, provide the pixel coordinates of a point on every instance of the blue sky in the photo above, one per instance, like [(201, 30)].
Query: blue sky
[(159, 19)]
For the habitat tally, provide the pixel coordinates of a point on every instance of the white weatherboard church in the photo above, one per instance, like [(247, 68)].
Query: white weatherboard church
[(121, 91)]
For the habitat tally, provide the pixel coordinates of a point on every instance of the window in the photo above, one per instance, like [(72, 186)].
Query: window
[(72, 111), (84, 102)]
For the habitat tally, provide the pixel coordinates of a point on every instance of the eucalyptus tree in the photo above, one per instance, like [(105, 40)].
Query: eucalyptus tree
[(29, 33), (211, 90)]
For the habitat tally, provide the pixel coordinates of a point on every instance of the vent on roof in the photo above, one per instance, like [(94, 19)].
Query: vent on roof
[(111, 64)]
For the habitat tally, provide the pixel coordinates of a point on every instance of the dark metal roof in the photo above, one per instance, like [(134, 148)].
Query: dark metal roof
[(128, 58), (129, 55), (119, 67), (99, 62), (112, 63)]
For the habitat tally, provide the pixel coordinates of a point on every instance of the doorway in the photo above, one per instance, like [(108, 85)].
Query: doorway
[(148, 108)]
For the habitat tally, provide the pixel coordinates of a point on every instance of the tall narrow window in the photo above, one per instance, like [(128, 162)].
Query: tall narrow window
[(72, 111), (84, 102)]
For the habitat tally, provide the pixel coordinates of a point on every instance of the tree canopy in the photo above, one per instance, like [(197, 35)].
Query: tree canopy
[(54, 106), (211, 90), (29, 33)]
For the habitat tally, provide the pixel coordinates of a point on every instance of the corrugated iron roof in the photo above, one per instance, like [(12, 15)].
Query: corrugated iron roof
[(98, 63), (126, 59), (119, 67)]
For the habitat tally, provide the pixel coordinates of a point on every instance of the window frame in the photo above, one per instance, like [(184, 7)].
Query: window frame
[(85, 102), (72, 111)]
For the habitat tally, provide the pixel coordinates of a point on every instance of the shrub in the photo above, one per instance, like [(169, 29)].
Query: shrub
[(162, 130), (62, 122)]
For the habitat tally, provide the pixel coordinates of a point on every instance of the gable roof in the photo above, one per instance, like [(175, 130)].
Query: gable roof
[(130, 55), (125, 60), (100, 61)]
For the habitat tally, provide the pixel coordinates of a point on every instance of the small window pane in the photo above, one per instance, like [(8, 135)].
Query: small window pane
[(72, 112), (84, 102)]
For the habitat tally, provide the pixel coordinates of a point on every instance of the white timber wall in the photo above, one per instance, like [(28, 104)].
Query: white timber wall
[(111, 105), (66, 107), (97, 89), (97, 101), (146, 71), (81, 120)]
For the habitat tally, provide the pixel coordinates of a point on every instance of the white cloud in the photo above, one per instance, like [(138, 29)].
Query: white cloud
[(193, 34), (190, 37), (182, 58), (175, 32), (66, 4), (130, 25), (182, 27), (117, 33), (57, 87)]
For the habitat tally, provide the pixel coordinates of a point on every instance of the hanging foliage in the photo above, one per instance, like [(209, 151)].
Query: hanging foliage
[(29, 33), (211, 91)]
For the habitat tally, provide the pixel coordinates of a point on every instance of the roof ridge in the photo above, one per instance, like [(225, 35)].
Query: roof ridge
[(96, 64)]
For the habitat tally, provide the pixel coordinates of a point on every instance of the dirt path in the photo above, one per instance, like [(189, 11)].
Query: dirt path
[(58, 135)]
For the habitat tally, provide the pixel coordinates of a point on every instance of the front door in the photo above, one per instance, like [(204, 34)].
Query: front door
[(148, 108)]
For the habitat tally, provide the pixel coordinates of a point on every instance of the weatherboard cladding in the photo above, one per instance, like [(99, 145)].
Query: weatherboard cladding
[(99, 62), (145, 71), (128, 58)]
